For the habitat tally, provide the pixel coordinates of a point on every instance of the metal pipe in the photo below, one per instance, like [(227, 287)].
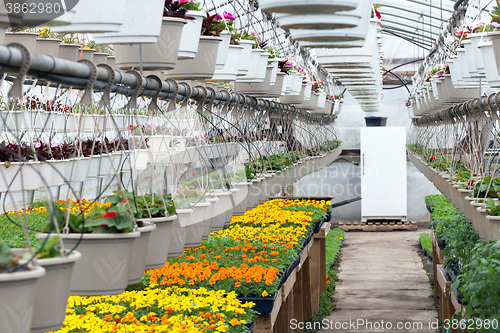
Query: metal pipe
[(466, 111), (47, 68)]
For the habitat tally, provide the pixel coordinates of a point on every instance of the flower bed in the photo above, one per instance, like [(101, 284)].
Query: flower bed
[(171, 309), (197, 292), (251, 255)]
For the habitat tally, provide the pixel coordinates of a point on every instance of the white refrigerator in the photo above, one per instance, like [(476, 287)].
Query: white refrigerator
[(383, 174)]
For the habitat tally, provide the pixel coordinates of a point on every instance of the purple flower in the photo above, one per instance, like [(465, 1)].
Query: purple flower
[(218, 17)]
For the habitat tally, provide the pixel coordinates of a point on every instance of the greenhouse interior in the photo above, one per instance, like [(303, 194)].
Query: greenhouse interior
[(236, 165)]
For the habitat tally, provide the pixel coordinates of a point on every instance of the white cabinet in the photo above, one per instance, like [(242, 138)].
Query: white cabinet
[(383, 173)]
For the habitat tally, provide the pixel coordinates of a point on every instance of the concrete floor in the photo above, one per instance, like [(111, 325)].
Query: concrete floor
[(382, 286)]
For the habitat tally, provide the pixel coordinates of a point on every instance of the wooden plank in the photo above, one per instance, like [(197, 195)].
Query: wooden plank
[(306, 289), (325, 228), (298, 299), (277, 307), (288, 285), (263, 324), (315, 266), (379, 226), (444, 284), (456, 305)]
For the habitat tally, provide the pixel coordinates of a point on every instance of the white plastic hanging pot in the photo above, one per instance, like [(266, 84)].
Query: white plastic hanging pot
[(53, 289), (246, 53), (105, 262), (223, 49), (17, 296), (307, 6), (470, 60), (333, 45), (47, 46), (297, 99), (321, 21), (478, 57), (142, 24), (68, 51), (495, 41), (95, 16), (160, 55), (311, 103), (336, 35), (100, 58), (258, 67), (229, 71), (190, 39), (28, 39), (490, 65), (256, 88), (139, 252), (19, 176), (203, 64)]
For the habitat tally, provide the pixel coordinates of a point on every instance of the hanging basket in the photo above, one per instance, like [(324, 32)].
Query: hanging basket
[(178, 233), (93, 16), (52, 293), (19, 176), (17, 298), (28, 39), (257, 88), (258, 66), (139, 251), (222, 52), (336, 35), (68, 51), (321, 21), (160, 55), (203, 64), (103, 269), (230, 70), (143, 22), (297, 99), (190, 38), (307, 6), (48, 46), (246, 53)]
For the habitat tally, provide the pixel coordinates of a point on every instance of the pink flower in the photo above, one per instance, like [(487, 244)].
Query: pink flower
[(218, 17), (38, 145), (228, 16)]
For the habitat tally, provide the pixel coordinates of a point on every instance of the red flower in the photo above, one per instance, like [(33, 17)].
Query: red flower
[(130, 127), (377, 13), (104, 225), (109, 214), (433, 158), (471, 182), (124, 201)]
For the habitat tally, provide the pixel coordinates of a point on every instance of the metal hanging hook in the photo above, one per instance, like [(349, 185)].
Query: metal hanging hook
[(106, 99), (153, 105), (89, 88), (16, 91)]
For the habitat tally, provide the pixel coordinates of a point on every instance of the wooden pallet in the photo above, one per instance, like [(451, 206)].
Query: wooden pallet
[(378, 226)]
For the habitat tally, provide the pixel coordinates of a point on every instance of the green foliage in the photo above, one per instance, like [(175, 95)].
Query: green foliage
[(481, 283), (100, 220), (478, 262), (52, 249), (191, 5), (426, 242), (334, 241), (492, 207), (11, 232), (318, 214), (7, 259), (486, 188), (144, 206), (495, 13)]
